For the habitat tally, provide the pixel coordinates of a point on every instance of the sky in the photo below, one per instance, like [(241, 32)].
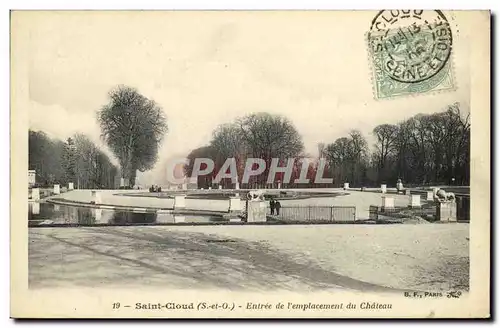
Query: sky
[(208, 68)]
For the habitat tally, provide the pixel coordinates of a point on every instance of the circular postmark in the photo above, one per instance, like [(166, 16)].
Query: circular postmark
[(410, 45)]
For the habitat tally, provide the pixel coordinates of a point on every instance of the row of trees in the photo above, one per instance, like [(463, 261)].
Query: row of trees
[(259, 135), (76, 160), (424, 149)]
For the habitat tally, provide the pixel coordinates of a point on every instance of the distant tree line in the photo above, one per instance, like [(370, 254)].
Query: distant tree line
[(424, 149), (76, 160)]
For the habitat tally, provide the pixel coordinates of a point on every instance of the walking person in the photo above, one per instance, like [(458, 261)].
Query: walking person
[(277, 206), (272, 205)]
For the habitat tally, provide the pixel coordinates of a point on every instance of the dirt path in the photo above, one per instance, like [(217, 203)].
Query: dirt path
[(256, 258)]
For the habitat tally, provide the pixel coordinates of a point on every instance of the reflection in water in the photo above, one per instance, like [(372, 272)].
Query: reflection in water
[(46, 213), (120, 218), (34, 207), (98, 214)]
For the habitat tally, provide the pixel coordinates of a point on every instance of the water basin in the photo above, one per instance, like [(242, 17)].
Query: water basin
[(43, 214)]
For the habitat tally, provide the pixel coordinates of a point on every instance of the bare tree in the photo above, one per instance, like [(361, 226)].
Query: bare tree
[(270, 136), (227, 142), (386, 135), (46, 157), (133, 127), (260, 135), (433, 148), (348, 158), (338, 155), (204, 181)]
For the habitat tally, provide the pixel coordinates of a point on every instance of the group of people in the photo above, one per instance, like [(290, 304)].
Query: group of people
[(275, 207), (154, 188)]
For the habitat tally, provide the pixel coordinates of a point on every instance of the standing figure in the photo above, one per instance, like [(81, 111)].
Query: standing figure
[(399, 186), (277, 205), (272, 205)]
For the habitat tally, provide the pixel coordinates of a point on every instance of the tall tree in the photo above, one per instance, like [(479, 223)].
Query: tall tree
[(69, 160), (348, 158), (268, 136), (228, 142), (133, 126), (93, 168), (386, 135), (46, 157), (39, 145), (259, 135), (204, 181), (359, 157), (338, 155)]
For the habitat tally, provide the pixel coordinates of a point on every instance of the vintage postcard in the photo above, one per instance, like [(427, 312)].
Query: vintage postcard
[(250, 164)]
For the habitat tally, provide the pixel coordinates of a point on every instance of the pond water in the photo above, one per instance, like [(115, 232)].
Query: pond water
[(40, 214)]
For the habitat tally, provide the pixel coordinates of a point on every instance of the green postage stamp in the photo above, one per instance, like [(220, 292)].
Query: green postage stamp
[(410, 53)]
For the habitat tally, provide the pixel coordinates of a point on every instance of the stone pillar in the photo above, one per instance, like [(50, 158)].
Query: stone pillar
[(35, 194), (237, 185), (257, 211), (430, 195), (122, 182), (235, 204), (279, 185), (387, 203), (346, 185), (71, 186), (220, 187), (96, 197), (57, 189), (446, 211), (415, 201), (179, 201), (383, 188), (98, 214), (184, 186), (35, 208)]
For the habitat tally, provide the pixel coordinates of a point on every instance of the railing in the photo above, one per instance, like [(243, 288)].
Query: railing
[(425, 212), (317, 213), (373, 212)]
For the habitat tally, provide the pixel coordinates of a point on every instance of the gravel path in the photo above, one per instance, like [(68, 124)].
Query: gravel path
[(368, 257)]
